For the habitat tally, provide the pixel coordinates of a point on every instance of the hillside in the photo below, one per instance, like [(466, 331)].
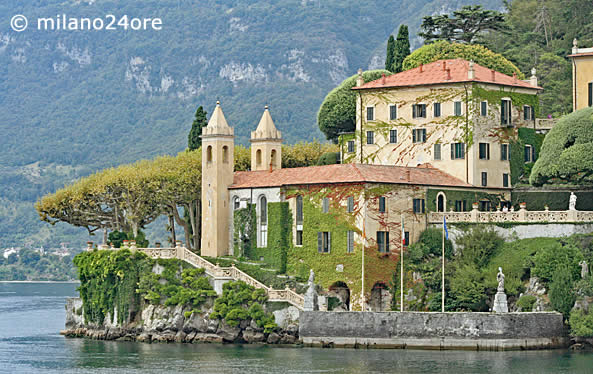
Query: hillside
[(72, 102)]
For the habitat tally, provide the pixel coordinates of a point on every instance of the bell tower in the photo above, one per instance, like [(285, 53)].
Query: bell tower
[(218, 143), (266, 145)]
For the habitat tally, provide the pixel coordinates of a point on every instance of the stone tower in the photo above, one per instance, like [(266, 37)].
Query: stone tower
[(266, 145), (218, 143)]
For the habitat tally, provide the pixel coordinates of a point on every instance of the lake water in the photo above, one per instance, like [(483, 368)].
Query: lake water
[(31, 315)]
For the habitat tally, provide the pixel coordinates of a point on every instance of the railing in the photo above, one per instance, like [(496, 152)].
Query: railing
[(520, 216), (215, 271), (545, 123)]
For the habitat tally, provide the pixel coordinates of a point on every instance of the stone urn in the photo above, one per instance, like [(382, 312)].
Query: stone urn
[(522, 206)]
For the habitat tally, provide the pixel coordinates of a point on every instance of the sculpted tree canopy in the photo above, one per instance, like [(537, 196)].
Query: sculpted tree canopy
[(337, 113), (305, 154), (465, 26), (445, 50), (566, 155)]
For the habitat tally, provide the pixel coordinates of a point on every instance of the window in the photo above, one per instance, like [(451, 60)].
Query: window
[(505, 112), (325, 205), (485, 206), (419, 135), (457, 108), (392, 112), (370, 137), (273, 158), (350, 204), (381, 204), (370, 113), (299, 210), (263, 222), (437, 109), (484, 179), (225, 154), (590, 90), (299, 237), (504, 152), (484, 151), (437, 151), (505, 180), (460, 205), (418, 205), (258, 157), (527, 113), (323, 242), (209, 154), (419, 111), (457, 151), (529, 153), (350, 146), (406, 238), (383, 241), (484, 108), (350, 242), (392, 136), (236, 202)]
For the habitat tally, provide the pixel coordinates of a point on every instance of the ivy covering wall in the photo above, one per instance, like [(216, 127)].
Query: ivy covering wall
[(525, 136), (452, 195), (555, 200)]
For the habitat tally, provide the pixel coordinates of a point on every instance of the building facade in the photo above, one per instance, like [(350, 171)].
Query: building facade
[(582, 77)]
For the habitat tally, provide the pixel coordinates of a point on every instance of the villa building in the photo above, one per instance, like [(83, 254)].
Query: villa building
[(582, 76)]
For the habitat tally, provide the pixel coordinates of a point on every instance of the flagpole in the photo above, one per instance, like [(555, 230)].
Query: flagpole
[(401, 259), (443, 270), (363, 243)]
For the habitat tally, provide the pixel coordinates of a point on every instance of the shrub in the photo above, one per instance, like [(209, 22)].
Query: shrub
[(478, 244), (554, 255), (526, 302), (566, 152), (562, 296), (467, 289), (581, 324), (329, 158), (444, 50)]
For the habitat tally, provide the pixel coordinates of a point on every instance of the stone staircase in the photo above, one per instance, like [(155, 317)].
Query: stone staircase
[(220, 275)]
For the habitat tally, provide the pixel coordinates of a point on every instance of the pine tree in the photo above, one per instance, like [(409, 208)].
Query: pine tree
[(402, 48), (193, 139), (390, 53)]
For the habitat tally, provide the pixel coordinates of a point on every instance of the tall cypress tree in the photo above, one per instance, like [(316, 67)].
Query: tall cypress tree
[(193, 139), (402, 48), (390, 53)]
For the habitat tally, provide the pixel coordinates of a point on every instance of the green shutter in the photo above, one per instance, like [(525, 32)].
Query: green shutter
[(319, 242)]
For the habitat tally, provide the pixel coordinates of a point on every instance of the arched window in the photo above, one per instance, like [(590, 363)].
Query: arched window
[(236, 202), (225, 154), (273, 158), (441, 202), (209, 153), (263, 222), (258, 157)]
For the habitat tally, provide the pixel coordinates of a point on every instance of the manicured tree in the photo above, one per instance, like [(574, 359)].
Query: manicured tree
[(337, 113), (562, 296), (193, 139), (402, 49), (390, 53)]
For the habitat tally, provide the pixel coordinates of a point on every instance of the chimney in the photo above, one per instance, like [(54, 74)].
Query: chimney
[(493, 77), (359, 80), (533, 78), (448, 74), (444, 65), (408, 177), (383, 79), (421, 67), (471, 73)]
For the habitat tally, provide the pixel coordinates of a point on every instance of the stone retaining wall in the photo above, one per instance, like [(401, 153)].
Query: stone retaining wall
[(476, 331)]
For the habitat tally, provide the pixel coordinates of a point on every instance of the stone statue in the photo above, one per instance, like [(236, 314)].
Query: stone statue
[(500, 279), (311, 297), (572, 203), (584, 269), (311, 281)]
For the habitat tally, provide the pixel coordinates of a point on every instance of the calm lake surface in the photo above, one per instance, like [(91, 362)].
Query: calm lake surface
[(31, 315)]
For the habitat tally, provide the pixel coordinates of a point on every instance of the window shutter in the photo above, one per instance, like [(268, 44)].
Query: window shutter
[(423, 135), (414, 111), (386, 241), (423, 110), (423, 206), (452, 151), (590, 94), (319, 242), (532, 154), (526, 154), (329, 242), (488, 151), (413, 136), (503, 116)]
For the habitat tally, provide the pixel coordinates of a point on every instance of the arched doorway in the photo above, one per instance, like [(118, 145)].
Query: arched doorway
[(441, 202), (338, 297), (380, 298)]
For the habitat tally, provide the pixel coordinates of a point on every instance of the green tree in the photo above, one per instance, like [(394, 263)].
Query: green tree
[(390, 53), (402, 49), (13, 258), (29, 256), (193, 138), (444, 50), (478, 244), (467, 288), (465, 26), (562, 296), (337, 113), (566, 155)]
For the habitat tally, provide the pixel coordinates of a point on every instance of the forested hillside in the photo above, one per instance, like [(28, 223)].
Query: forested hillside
[(72, 102)]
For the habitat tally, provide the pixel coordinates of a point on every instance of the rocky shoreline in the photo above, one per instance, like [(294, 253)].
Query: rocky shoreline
[(166, 324)]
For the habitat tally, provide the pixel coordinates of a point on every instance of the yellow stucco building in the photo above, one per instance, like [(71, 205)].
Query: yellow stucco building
[(582, 76)]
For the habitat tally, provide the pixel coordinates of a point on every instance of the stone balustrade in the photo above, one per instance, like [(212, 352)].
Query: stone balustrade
[(225, 273), (519, 216)]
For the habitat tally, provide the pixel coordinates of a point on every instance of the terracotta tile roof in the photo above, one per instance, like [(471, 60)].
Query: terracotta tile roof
[(434, 73), (581, 54), (346, 173)]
